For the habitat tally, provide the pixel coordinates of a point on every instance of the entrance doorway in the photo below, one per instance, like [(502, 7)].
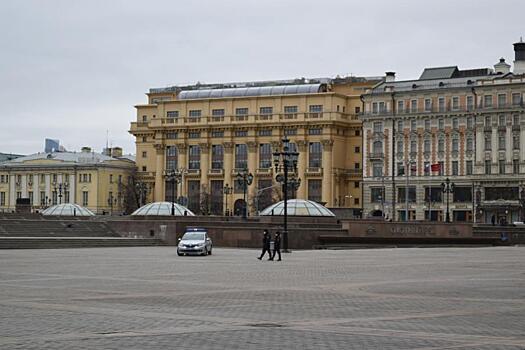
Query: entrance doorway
[(238, 207)]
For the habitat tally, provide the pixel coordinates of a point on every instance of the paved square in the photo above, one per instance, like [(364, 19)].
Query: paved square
[(149, 298)]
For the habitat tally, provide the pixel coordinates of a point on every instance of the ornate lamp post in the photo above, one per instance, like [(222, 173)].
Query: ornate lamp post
[(174, 177), (142, 190), (286, 161), (448, 188), (244, 179), (227, 190), (60, 187)]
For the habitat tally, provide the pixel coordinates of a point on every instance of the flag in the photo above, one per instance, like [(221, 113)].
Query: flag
[(435, 167)]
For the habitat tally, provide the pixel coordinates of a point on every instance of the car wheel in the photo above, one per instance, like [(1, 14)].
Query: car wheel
[(179, 253), (205, 252), (209, 253)]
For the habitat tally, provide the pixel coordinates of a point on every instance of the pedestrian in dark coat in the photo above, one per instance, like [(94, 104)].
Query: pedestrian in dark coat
[(277, 245), (266, 245)]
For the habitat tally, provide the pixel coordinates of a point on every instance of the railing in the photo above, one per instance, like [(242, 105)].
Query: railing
[(264, 171), (216, 172), (314, 170), (438, 109), (376, 155)]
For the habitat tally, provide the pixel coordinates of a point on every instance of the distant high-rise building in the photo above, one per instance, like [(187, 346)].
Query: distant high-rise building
[(52, 146)]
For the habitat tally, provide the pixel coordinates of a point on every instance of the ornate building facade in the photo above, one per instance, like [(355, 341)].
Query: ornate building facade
[(209, 133), (462, 125)]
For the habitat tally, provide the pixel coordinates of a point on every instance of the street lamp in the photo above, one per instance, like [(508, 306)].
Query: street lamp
[(286, 161), (448, 188), (227, 190), (174, 177), (60, 187), (244, 179), (142, 189)]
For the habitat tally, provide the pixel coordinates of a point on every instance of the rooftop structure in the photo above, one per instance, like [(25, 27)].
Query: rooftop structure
[(297, 207), (162, 209)]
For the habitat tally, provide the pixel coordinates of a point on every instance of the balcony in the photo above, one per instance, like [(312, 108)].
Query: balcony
[(193, 173), (215, 172), (376, 155), (314, 171), (516, 128), (354, 173), (264, 171)]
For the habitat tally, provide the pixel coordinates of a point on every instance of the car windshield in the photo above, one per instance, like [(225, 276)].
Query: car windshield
[(193, 236)]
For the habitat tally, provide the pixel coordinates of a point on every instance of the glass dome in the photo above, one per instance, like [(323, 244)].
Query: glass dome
[(162, 208), (297, 207), (67, 209)]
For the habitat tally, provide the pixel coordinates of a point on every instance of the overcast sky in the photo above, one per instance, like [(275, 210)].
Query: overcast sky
[(73, 69)]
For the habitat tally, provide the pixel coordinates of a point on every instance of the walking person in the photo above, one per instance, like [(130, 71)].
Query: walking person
[(277, 246), (266, 245)]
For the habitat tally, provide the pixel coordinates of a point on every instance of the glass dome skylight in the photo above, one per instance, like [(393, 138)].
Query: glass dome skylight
[(297, 207), (162, 208), (67, 209)]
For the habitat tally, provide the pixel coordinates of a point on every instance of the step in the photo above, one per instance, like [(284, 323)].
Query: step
[(74, 242)]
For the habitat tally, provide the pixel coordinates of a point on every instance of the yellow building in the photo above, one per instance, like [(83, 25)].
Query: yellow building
[(208, 133), (92, 180)]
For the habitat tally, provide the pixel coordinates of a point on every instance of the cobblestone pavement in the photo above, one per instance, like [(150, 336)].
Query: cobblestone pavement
[(149, 298)]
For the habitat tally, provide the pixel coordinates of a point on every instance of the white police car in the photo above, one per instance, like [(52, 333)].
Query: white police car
[(195, 241)]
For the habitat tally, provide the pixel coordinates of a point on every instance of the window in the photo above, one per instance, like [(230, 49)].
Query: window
[(400, 106), (501, 142), (413, 106), (377, 147), (30, 195), (378, 127), (455, 123), (315, 190), (462, 194), (516, 119), (470, 122), (469, 169), (265, 132), (290, 110), (194, 135), (144, 168), (427, 146), (356, 201), (505, 193), (428, 104), (315, 155), (289, 132), (315, 108), (376, 195), (217, 112), (265, 156), (400, 168), (501, 166), (85, 198), (377, 169), (356, 184), (194, 113), (171, 157), (357, 165), (110, 178), (427, 124), (455, 145), (217, 134), (241, 133), (265, 110), (171, 135), (502, 100), (244, 111), (401, 195), (470, 103), (455, 168), (470, 144), (241, 156), (400, 146), (144, 154), (501, 120), (144, 118), (382, 107), (413, 146), (2, 199), (357, 132), (436, 194), (172, 115), (515, 166), (441, 124), (441, 104), (455, 103), (315, 131), (487, 101), (441, 145), (374, 107), (488, 142), (43, 198), (217, 156), (441, 168), (488, 121), (399, 125), (516, 141), (357, 149), (194, 160), (413, 125), (488, 167), (516, 98)]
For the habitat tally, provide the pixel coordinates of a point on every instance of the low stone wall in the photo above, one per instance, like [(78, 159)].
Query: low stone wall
[(375, 228)]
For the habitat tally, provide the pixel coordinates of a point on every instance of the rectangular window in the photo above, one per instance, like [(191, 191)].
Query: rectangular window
[(171, 135), (171, 157), (265, 132), (315, 131), (377, 169), (85, 198), (144, 154), (42, 198), (470, 103), (516, 98), (462, 194), (488, 167), (441, 124), (441, 168), (441, 104), (401, 196), (426, 146), (455, 145), (399, 146), (413, 146), (515, 166), (441, 145), (516, 141), (290, 132), (378, 127), (455, 168), (455, 123), (265, 156), (194, 159), (241, 156), (194, 196), (356, 184), (217, 112), (266, 110), (426, 168), (501, 120), (290, 110), (428, 104), (501, 166), (382, 107), (357, 149), (488, 121), (455, 103), (244, 111), (374, 107), (501, 142), (413, 125), (400, 168), (194, 135), (516, 119), (2, 199), (315, 108), (376, 195), (315, 190), (399, 125), (217, 156), (241, 133), (194, 113), (470, 145), (487, 101), (502, 100), (470, 123), (488, 142), (217, 134), (427, 124), (315, 152), (505, 193), (413, 106), (400, 106), (172, 114), (469, 169)]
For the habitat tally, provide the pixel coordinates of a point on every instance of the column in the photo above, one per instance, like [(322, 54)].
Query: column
[(252, 168), (48, 189), (301, 168), (159, 173), (228, 168), (36, 190), (205, 165), (327, 172), (73, 189), (23, 186), (12, 191), (182, 165)]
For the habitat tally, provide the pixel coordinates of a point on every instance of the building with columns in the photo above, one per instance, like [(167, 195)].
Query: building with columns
[(208, 133), (463, 125), (92, 180)]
